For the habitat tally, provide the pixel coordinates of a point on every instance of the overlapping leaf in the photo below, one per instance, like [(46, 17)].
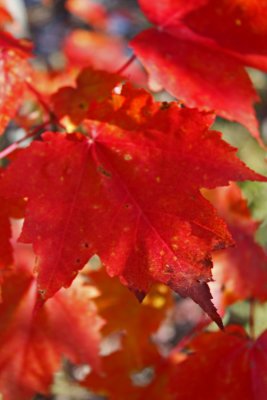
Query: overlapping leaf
[(33, 344), (202, 47), (242, 269), (131, 196), (235, 364)]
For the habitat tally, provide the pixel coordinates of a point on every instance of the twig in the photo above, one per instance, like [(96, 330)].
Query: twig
[(14, 146)]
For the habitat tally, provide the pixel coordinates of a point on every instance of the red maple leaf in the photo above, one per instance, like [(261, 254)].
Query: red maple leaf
[(202, 47), (235, 364), (33, 344), (242, 269), (131, 196)]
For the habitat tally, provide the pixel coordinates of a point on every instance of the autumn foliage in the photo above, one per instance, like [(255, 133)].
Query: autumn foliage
[(115, 205)]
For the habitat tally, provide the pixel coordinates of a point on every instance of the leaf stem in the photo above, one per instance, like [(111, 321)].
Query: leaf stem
[(126, 64), (39, 98), (14, 146), (45, 106)]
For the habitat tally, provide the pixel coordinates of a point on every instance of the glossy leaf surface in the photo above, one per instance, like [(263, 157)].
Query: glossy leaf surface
[(235, 364), (76, 185), (196, 58)]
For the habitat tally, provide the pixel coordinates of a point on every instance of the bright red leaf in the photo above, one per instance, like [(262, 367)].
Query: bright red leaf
[(33, 344), (236, 367), (86, 195), (200, 57), (242, 269), (237, 25)]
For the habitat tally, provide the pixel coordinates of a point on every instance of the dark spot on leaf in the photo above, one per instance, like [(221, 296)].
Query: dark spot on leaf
[(104, 172)]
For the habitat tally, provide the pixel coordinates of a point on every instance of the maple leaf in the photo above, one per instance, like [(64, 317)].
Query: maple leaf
[(14, 70), (33, 344), (242, 270), (196, 58), (128, 109), (235, 364), (130, 197)]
